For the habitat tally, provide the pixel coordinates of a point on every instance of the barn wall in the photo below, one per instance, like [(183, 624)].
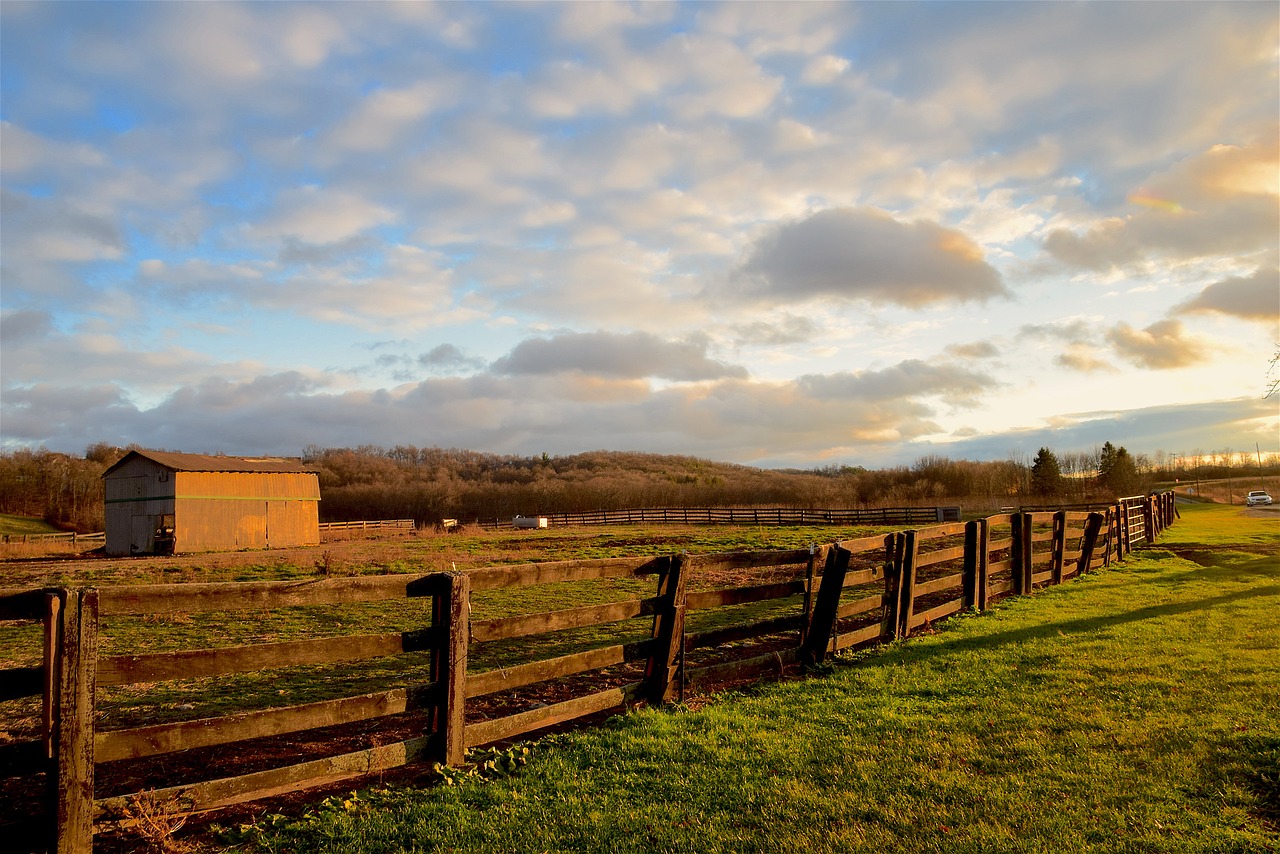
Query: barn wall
[(236, 510), (137, 497)]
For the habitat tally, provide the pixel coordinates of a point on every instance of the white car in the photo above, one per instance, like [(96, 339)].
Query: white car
[(1257, 497)]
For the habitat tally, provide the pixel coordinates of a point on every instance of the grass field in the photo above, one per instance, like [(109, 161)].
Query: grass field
[(1136, 709), (19, 525)]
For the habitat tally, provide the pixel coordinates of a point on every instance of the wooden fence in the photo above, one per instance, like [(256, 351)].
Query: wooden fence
[(746, 516), (370, 525), (708, 620), (70, 536)]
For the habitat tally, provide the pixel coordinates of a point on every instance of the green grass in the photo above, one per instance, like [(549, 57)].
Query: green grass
[(1134, 710), (24, 525)]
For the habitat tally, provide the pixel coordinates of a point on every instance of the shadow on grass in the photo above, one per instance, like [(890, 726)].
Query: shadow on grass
[(1083, 625), (1262, 775)]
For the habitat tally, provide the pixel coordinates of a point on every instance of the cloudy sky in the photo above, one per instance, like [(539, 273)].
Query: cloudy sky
[(785, 235)]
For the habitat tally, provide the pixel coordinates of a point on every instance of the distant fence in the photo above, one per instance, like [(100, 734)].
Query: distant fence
[(70, 536), (745, 516), (797, 606), (371, 525)]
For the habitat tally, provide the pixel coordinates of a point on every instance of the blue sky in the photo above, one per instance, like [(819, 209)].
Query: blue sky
[(779, 234)]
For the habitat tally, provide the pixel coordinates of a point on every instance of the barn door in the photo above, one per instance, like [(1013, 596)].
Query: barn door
[(142, 534)]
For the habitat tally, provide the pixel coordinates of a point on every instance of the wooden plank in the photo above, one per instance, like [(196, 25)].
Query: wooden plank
[(1059, 546), (937, 613), (510, 678), (816, 555), (999, 588), (1020, 554), (1090, 541), (569, 618), (924, 588), (862, 544), (258, 595), (50, 669), (893, 545), (999, 566), (939, 556), (206, 732), (228, 791), (935, 531), (907, 587), (525, 575), (864, 576), (17, 682), (745, 668), (1042, 577), (743, 631), (748, 560), (511, 726), (999, 545), (826, 606), (220, 661), (859, 636), (450, 614), (970, 573), (21, 603), (666, 657), (74, 740), (704, 599), (861, 606)]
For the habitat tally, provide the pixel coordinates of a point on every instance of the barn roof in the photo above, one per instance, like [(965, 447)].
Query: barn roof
[(210, 463)]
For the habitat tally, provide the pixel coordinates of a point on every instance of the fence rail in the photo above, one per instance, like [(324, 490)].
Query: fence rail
[(781, 608), (69, 536), (371, 525), (746, 516)]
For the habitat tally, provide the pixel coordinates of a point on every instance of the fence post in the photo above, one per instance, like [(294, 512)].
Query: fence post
[(825, 610), (1059, 546), (907, 585), (1018, 555), (668, 632), (975, 565), (450, 614), (810, 572), (77, 683), (892, 583), (1089, 541)]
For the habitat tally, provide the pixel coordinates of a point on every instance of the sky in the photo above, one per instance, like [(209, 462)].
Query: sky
[(785, 235)]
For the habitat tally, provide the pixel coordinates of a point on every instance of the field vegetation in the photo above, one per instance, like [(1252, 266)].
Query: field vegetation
[(1137, 709), (430, 484)]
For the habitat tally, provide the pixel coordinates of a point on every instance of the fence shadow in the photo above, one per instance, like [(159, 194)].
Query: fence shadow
[(1040, 631)]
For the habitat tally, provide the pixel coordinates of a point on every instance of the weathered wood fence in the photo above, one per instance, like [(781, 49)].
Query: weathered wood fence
[(369, 525), (70, 536), (747, 516), (797, 606)]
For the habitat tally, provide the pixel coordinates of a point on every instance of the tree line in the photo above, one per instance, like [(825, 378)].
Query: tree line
[(428, 484)]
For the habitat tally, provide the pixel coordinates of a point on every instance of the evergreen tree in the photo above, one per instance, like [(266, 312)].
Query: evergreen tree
[(1046, 474), (1117, 471)]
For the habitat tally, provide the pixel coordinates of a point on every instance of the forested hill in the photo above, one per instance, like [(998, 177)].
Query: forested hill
[(433, 483), (428, 484)]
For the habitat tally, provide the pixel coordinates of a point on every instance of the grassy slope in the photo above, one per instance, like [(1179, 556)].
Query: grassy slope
[(24, 525), (1134, 710)]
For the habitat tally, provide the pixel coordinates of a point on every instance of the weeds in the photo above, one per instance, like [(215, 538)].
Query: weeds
[(154, 822)]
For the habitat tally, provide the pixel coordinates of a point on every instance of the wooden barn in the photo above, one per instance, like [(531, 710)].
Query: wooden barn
[(160, 502)]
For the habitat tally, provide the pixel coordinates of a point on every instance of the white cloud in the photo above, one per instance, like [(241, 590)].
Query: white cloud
[(321, 215), (385, 115), (866, 254), (825, 69)]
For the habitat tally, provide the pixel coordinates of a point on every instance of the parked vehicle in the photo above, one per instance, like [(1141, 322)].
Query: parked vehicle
[(1257, 497)]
